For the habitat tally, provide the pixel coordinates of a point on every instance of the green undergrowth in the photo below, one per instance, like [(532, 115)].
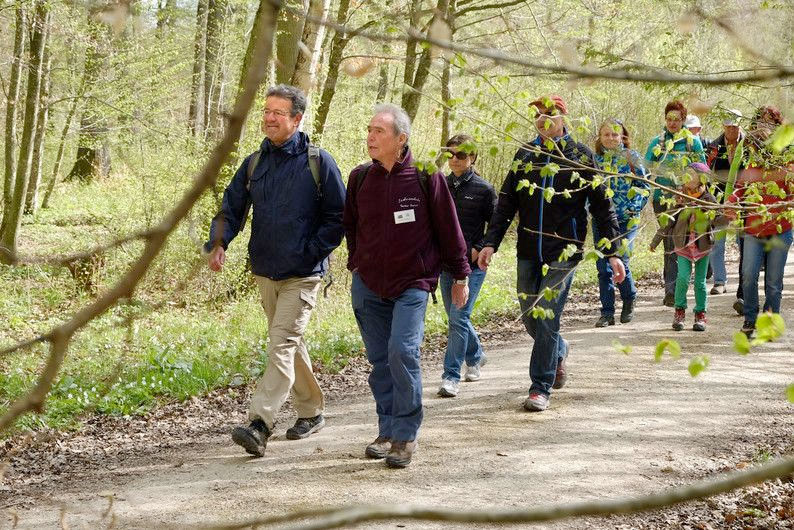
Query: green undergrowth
[(182, 334)]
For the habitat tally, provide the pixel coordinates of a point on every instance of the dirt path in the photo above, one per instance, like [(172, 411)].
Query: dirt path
[(623, 425)]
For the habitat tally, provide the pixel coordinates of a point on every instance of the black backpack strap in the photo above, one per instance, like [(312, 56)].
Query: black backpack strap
[(249, 172), (314, 167)]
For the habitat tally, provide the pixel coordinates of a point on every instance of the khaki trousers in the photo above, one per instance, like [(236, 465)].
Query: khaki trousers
[(288, 305)]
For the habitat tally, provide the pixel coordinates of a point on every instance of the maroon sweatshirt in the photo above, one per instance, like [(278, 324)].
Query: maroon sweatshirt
[(398, 236)]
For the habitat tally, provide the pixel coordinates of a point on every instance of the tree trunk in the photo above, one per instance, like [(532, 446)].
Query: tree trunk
[(93, 156), (445, 97), (410, 48), (383, 77), (288, 38), (213, 73), (13, 216), (338, 44), (196, 111), (166, 14), (61, 146), (32, 196), (14, 82), (305, 75), (412, 97)]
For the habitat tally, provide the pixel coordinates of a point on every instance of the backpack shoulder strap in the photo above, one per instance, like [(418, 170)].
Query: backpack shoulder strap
[(249, 171), (424, 177), (361, 174), (314, 166)]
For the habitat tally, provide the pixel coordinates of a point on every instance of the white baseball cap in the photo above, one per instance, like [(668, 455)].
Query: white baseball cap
[(692, 121), (732, 117)]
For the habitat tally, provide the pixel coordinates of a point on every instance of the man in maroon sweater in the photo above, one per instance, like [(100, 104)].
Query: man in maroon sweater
[(400, 227)]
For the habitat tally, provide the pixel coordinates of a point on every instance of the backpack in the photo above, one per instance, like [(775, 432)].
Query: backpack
[(314, 167)]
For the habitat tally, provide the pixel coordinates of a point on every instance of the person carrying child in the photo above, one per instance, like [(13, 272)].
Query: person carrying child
[(692, 234)]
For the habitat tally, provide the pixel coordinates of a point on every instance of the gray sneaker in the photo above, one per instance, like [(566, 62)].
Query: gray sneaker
[(472, 373), (449, 388)]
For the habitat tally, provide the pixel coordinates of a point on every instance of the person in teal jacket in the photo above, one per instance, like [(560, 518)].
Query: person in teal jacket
[(668, 155)]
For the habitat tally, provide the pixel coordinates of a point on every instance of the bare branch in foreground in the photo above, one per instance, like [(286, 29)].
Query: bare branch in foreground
[(60, 336), (335, 518)]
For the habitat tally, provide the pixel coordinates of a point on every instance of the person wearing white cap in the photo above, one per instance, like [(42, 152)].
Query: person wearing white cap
[(693, 124), (720, 157)]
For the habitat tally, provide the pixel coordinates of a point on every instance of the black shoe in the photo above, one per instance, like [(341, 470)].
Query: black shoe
[(748, 328), (669, 300), (252, 438), (738, 306), (604, 321), (305, 426), (627, 312)]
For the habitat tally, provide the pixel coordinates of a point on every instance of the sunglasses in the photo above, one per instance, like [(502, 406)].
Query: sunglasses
[(460, 155)]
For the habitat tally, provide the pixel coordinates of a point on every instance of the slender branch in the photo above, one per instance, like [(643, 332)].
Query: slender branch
[(335, 518)]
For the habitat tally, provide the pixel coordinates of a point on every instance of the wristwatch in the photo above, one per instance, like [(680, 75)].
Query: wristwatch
[(464, 281)]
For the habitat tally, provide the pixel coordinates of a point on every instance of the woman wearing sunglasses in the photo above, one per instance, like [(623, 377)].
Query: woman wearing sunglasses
[(614, 156), (475, 199)]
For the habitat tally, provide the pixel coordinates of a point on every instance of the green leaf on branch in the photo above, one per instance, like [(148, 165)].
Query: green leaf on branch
[(698, 364), (741, 343), (568, 252), (625, 349), (566, 193), (523, 183), (770, 326), (634, 221), (548, 194), (790, 393), (664, 219), (667, 345), (545, 269), (603, 243), (549, 170), (782, 138), (550, 294)]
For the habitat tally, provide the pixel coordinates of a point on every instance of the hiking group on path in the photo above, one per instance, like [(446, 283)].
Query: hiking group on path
[(407, 230)]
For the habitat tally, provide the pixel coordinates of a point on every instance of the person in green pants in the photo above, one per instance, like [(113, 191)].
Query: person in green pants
[(693, 238)]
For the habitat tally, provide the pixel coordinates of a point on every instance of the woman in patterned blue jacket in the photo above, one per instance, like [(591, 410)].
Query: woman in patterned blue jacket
[(630, 191)]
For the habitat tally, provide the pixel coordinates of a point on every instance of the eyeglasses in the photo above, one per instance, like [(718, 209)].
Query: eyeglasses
[(279, 113), (460, 155)]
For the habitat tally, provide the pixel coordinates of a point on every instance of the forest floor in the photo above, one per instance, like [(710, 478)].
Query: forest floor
[(623, 425)]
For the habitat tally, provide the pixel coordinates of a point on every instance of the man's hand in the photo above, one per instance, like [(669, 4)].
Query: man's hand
[(618, 270), (484, 259), (217, 258), (474, 254), (460, 295)]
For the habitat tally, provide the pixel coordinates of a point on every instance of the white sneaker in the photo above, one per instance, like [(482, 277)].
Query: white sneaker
[(473, 372), (449, 388)]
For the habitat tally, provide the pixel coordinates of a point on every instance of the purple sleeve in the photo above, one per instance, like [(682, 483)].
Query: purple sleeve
[(447, 228)]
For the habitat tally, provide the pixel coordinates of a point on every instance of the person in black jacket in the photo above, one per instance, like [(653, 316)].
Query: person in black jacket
[(475, 199), (548, 186)]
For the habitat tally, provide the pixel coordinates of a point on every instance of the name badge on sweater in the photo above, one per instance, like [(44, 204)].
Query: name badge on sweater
[(404, 216)]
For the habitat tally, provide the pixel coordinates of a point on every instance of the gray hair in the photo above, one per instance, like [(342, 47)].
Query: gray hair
[(292, 93), (402, 123)]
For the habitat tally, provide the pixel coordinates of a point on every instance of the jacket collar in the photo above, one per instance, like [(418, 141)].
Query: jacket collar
[(405, 161), (454, 181), (294, 145)]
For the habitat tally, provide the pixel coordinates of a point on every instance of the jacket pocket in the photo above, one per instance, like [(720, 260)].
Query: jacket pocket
[(309, 293)]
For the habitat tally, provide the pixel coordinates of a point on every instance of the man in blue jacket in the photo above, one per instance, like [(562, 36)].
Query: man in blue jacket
[(297, 197)]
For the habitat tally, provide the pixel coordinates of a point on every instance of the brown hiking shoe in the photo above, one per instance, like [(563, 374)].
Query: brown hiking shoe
[(561, 376), (379, 448), (400, 453)]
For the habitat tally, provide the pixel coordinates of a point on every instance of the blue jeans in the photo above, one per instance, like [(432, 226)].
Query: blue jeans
[(392, 331), (462, 342), (549, 346), (717, 258), (775, 250), (606, 284)]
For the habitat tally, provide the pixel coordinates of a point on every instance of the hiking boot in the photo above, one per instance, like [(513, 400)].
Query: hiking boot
[(472, 373), (678, 319), (252, 438), (718, 288), (669, 300), (738, 306), (627, 312), (748, 328), (305, 426), (536, 402), (604, 321), (379, 448), (700, 321), (400, 453), (561, 376), (449, 388)]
